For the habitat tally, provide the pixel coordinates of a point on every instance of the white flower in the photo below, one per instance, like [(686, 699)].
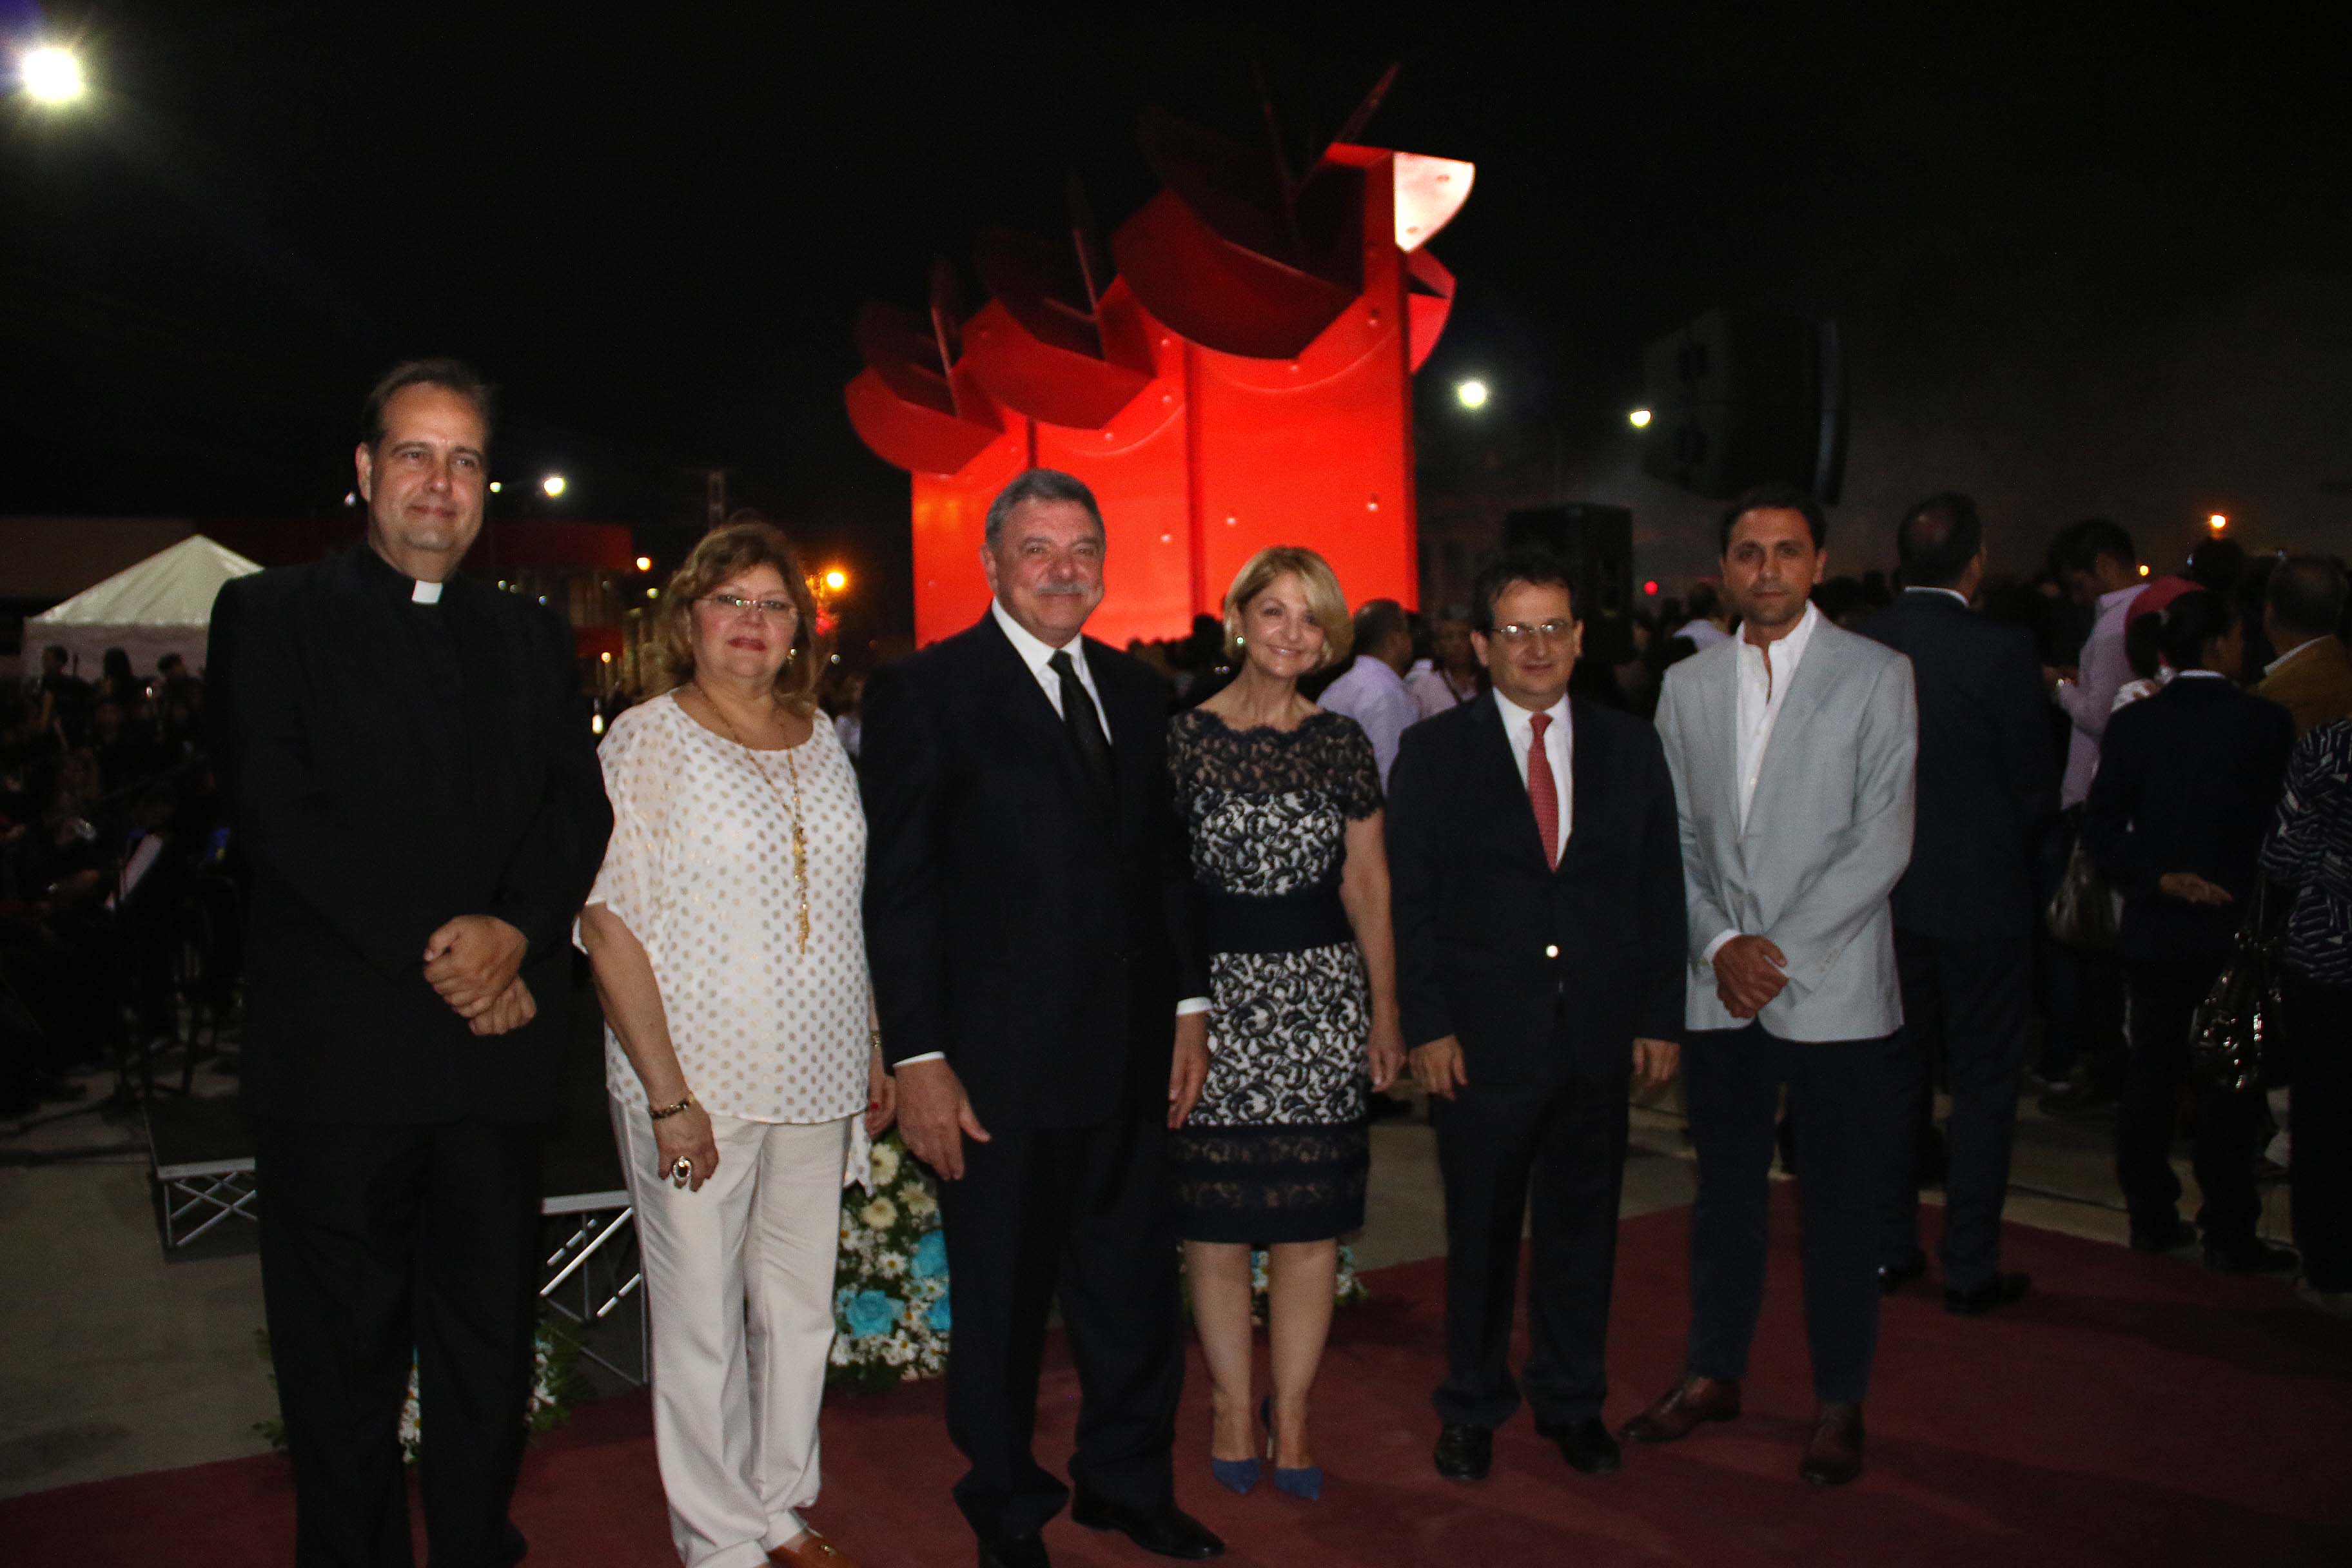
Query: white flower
[(891, 1266), (920, 1203), (885, 1165), (881, 1213)]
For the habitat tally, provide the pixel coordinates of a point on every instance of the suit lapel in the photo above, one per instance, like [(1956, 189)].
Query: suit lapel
[(1586, 754), (1030, 714), (1809, 687), (1723, 729), (1500, 779)]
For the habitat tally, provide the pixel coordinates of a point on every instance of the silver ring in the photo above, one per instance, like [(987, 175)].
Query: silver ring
[(681, 1170)]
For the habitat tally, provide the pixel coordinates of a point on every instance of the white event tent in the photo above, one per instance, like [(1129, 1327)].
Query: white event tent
[(162, 605)]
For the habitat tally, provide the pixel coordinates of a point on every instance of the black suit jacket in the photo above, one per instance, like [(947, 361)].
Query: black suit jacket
[(1511, 956), (1039, 940), (1987, 776), (2188, 780), (390, 767)]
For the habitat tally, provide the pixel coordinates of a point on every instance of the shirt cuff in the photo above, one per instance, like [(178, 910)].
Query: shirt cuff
[(926, 1056), (1716, 945), (1191, 1005)]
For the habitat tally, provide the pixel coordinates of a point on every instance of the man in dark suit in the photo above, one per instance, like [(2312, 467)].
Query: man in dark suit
[(415, 790), (1964, 912), (1030, 924), (1538, 886), (2188, 782)]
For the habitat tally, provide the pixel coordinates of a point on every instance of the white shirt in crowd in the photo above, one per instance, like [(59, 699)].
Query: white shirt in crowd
[(1704, 634), (699, 869), (2090, 701), (1765, 676), (1560, 751), (1373, 694), (1435, 692)]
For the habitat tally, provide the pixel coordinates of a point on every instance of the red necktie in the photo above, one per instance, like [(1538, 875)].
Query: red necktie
[(1542, 793)]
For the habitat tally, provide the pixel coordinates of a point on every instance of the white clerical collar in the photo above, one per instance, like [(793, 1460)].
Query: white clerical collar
[(2198, 675), (424, 592), (1034, 652), (1957, 597)]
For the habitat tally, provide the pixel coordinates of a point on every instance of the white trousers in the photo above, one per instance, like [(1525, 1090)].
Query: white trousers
[(739, 1286)]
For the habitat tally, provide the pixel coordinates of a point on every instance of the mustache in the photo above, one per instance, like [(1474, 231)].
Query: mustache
[(1061, 590)]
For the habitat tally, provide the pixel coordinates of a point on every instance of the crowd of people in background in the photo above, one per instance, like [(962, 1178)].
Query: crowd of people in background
[(110, 817)]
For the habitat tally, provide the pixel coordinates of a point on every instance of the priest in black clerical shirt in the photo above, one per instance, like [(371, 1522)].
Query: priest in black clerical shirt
[(415, 791)]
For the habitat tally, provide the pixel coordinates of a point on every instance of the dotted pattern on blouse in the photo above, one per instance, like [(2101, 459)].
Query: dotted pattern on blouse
[(699, 869)]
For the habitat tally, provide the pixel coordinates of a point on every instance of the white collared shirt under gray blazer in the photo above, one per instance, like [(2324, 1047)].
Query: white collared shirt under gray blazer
[(1827, 834)]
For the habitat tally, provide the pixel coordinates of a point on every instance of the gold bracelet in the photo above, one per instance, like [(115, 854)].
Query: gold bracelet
[(664, 1112), (876, 1036)]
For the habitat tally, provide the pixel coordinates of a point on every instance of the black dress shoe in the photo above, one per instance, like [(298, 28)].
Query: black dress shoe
[(1587, 1446), (1893, 1276), (1464, 1453), (2001, 1290), (2160, 1238), (2251, 1258), (1013, 1552), (1164, 1532)]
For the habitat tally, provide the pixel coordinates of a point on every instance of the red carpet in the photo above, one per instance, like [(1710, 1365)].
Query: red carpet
[(2135, 1410)]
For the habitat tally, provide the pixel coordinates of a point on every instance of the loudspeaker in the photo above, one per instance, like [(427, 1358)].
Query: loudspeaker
[(1596, 543), (1737, 398)]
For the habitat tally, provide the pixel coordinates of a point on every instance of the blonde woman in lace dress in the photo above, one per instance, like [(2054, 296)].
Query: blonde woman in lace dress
[(745, 1078)]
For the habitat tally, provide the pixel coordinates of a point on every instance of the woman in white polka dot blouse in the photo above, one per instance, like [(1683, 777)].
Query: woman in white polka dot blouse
[(740, 1051)]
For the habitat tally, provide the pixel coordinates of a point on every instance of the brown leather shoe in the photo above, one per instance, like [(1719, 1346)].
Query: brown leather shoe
[(1683, 1407), (812, 1550), (1834, 1456)]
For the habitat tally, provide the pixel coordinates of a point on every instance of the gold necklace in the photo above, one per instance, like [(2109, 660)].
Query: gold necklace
[(800, 834)]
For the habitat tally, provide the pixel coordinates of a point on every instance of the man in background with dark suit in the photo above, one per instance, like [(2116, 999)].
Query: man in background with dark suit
[(1536, 869), (1964, 912), (1044, 1004), (414, 786)]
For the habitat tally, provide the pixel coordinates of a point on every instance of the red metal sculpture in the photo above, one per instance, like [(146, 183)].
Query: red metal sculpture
[(1244, 380)]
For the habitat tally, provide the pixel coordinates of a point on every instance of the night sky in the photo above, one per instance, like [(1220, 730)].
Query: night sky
[(2093, 261)]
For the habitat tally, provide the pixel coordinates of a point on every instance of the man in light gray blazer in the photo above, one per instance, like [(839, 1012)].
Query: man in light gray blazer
[(1793, 748)]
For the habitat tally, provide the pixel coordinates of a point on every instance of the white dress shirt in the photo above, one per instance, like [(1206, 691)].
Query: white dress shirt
[(1373, 694), (1962, 598), (1038, 655), (1704, 634), (1766, 673), (1559, 749)]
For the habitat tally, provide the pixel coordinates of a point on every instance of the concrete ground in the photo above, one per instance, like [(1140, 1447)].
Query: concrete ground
[(118, 1361)]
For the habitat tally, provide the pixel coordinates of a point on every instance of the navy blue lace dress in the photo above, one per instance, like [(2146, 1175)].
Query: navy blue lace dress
[(1278, 1149)]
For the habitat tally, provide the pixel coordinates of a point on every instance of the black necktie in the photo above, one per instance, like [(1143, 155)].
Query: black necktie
[(1085, 725)]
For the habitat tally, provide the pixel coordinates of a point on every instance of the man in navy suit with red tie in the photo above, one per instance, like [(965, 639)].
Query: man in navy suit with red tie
[(1537, 889)]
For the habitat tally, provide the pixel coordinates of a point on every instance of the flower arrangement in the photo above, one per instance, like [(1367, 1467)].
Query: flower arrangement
[(891, 1310), (557, 1385)]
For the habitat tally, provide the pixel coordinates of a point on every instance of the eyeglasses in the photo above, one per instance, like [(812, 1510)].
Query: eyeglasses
[(1518, 632), (764, 606)]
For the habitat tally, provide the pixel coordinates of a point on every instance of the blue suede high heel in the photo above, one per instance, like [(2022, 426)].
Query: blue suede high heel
[(1238, 1476), (1304, 1482)]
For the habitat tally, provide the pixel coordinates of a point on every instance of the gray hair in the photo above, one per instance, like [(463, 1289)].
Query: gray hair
[(1039, 484)]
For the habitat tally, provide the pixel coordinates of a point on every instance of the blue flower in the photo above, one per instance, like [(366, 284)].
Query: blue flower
[(930, 1258), (870, 1312), (941, 1317)]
